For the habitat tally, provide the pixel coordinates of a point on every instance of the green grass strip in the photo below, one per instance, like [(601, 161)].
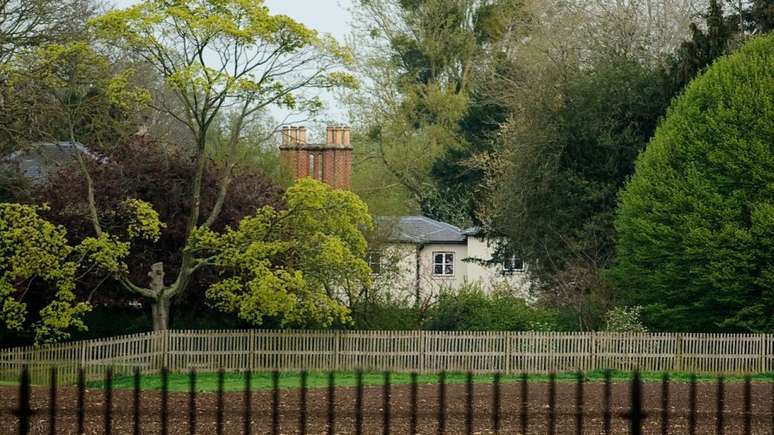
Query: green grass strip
[(207, 382)]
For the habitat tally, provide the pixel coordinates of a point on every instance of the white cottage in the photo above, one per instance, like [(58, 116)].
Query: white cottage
[(419, 256)]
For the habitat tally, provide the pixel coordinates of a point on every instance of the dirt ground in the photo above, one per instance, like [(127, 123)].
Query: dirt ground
[(763, 421)]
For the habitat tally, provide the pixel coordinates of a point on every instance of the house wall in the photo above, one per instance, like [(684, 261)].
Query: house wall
[(400, 259), (399, 270), (491, 275)]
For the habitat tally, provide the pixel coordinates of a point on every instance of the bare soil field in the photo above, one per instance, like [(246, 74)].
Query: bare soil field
[(316, 422)]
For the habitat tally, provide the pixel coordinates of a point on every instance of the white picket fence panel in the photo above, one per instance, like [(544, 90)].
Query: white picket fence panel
[(398, 351)]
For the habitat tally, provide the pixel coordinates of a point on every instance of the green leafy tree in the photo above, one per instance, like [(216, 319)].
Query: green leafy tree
[(303, 265), (583, 95), (696, 222), (33, 248), (39, 268), (223, 61), (414, 99)]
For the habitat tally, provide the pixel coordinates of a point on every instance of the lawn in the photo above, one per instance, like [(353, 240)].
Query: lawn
[(208, 382)]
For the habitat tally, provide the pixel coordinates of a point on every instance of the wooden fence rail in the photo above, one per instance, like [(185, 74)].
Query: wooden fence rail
[(397, 351)]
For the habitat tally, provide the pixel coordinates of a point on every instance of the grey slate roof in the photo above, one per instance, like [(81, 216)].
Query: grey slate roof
[(419, 229), (39, 159)]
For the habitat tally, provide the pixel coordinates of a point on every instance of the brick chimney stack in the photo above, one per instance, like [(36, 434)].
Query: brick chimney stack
[(330, 162)]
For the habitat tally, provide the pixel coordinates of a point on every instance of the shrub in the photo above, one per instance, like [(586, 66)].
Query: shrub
[(624, 319), (695, 223), (472, 309), (383, 312)]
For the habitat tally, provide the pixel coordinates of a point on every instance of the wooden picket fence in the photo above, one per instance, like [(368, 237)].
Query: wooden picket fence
[(397, 351)]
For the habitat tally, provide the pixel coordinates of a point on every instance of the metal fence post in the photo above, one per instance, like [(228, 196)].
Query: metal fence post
[(165, 347)]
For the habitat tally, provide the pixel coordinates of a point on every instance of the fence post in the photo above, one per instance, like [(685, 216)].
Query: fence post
[(336, 350), (166, 347), (422, 350), (251, 350), (508, 351), (762, 354), (678, 364), (592, 352), (83, 353)]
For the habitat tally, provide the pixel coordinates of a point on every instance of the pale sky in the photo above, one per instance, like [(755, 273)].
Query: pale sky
[(325, 16)]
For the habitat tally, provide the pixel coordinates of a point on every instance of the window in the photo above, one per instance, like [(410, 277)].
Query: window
[(374, 259), (512, 265), (443, 263)]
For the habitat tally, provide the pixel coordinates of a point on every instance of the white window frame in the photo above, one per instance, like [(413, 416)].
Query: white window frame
[(447, 260), (509, 265), (377, 256)]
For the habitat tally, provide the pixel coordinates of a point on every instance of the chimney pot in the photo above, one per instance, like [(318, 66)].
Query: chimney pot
[(345, 136), (302, 135), (285, 135), (329, 135)]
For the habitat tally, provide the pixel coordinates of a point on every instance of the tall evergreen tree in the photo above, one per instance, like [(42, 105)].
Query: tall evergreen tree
[(695, 224)]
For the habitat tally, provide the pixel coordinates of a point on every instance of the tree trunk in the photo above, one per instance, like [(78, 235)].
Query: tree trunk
[(160, 312), (160, 307)]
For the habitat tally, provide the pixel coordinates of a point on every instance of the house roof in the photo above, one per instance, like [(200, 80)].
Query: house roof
[(54, 151), (36, 161), (419, 229)]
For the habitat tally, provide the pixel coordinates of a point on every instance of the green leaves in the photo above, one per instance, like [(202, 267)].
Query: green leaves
[(694, 223), (33, 248), (296, 265), (225, 55), (69, 92), (144, 222)]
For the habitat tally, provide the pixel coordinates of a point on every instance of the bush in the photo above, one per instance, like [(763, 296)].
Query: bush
[(695, 224), (471, 309), (624, 319), (383, 312)]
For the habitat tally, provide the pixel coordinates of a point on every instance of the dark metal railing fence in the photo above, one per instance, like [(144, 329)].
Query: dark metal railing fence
[(758, 419)]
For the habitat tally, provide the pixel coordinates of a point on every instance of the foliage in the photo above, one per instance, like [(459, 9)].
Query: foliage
[(157, 186), (382, 311), (67, 93), (624, 319), (584, 95), (222, 63), (26, 24), (695, 222), (704, 46), (414, 100), (563, 161), (297, 264), (470, 308), (31, 249)]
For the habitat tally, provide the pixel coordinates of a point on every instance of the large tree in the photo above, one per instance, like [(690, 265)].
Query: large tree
[(584, 95), (160, 177), (696, 222), (414, 99), (223, 61)]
